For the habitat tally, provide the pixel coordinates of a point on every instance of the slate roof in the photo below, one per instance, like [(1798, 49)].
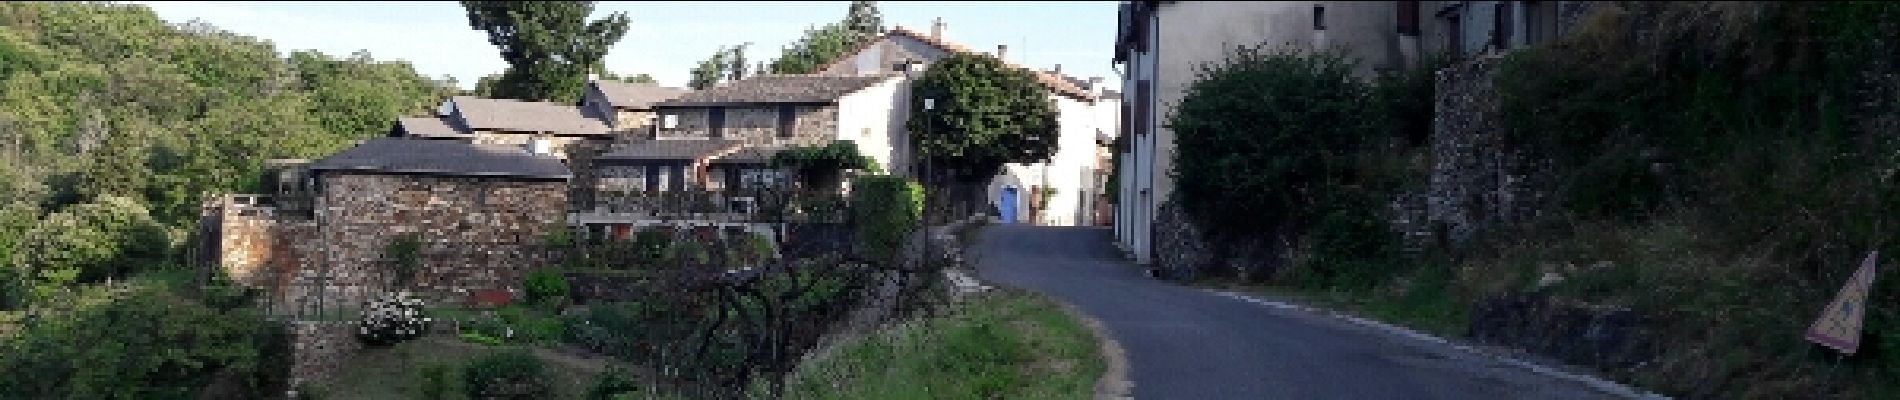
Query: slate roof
[(1052, 81), (635, 96), (681, 149), (776, 89), (428, 127), (533, 116), (443, 157)]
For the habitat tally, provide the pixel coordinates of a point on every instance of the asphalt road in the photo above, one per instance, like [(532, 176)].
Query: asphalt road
[(1188, 343)]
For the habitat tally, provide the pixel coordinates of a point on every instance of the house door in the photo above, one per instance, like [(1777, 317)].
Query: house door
[(1007, 205)]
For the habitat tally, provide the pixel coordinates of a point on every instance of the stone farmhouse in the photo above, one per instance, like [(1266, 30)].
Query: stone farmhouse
[(479, 211)]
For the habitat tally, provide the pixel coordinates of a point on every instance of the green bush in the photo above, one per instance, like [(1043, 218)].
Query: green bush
[(405, 257), (142, 341), (818, 166), (507, 374), (546, 286), (885, 210), (434, 383), (1274, 133), (612, 384)]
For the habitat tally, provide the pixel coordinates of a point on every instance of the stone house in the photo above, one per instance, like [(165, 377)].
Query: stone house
[(479, 210), (769, 113), (1086, 112), (626, 107), (1160, 45)]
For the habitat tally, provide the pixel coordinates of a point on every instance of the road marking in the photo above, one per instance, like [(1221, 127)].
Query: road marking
[(1601, 385)]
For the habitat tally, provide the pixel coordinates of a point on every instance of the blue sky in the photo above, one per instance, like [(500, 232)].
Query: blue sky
[(665, 39)]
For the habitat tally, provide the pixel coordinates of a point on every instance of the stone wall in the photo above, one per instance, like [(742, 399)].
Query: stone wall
[(1181, 251), (1478, 182), (476, 233), (319, 349), (813, 124)]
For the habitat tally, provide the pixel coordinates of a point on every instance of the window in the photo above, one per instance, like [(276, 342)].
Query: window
[(1501, 25), (1142, 104), (787, 121), (1319, 17), (1408, 18), (717, 124), (654, 182)]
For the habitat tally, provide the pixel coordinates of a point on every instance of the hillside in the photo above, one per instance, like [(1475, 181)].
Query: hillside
[(100, 100)]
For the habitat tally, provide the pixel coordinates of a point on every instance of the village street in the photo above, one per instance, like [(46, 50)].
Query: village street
[(1189, 343)]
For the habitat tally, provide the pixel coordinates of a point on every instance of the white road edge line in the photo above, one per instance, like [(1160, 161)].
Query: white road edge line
[(1599, 384)]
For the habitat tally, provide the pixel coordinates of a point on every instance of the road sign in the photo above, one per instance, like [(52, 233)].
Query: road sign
[(1839, 325)]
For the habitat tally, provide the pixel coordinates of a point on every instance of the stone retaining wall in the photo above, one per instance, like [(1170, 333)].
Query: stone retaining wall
[(319, 349)]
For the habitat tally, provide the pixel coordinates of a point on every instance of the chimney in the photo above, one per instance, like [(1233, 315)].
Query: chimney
[(1002, 51), (936, 28), (1058, 70), (1095, 86)]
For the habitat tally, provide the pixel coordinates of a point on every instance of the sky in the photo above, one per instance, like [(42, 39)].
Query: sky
[(664, 39)]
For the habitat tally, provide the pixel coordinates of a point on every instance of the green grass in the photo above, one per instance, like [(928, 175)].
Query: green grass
[(1007, 344), (1426, 302), (396, 372)]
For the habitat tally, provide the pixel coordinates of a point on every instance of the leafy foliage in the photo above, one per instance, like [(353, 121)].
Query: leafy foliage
[(509, 374), (886, 210), (405, 256), (549, 46), (138, 341), (823, 45), (821, 166), (107, 99), (710, 71), (90, 242), (545, 286), (986, 114), (1273, 132)]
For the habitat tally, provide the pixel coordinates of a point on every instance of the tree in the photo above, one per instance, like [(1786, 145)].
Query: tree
[(736, 66), (864, 20), (139, 342), (549, 46), (90, 242), (986, 114), (710, 71), (639, 78), (821, 46)]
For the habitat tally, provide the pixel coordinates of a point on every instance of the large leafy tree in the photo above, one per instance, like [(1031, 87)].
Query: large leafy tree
[(710, 71), (986, 114), (549, 45), (822, 45)]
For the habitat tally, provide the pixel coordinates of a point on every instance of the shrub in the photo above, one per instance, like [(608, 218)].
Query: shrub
[(394, 318), (1274, 133), (885, 209), (546, 286), (405, 257), (435, 382), (509, 374), (819, 166), (611, 384), (133, 341)]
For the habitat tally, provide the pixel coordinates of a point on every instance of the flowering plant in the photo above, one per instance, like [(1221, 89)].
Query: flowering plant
[(392, 319)]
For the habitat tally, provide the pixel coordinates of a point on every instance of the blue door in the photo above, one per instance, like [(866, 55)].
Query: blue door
[(1007, 205)]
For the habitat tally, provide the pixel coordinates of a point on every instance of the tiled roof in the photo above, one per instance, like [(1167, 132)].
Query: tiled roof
[(636, 96), (428, 127), (532, 116), (1052, 81), (680, 149), (777, 89), (443, 157)]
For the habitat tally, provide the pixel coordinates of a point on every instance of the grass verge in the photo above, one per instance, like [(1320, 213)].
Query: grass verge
[(1007, 344), (396, 372)]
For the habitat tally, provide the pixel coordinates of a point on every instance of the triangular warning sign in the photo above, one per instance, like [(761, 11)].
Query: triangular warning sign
[(1839, 325)]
